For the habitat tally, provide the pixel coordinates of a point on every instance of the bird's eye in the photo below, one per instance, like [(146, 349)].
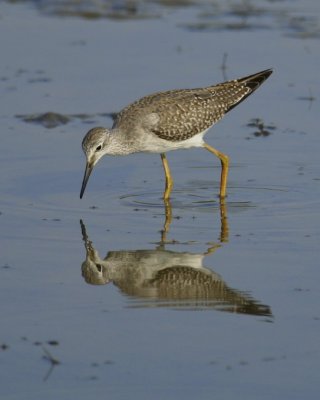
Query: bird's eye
[(99, 147)]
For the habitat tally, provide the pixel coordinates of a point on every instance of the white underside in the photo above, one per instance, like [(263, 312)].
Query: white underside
[(155, 144)]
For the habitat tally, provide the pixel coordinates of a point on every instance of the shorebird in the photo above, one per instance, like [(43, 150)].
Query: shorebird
[(170, 120)]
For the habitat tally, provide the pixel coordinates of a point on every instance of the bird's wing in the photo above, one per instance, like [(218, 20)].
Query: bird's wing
[(180, 114), (194, 111)]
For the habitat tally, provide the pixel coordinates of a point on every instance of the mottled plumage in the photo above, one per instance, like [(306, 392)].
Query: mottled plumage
[(184, 113), (170, 120)]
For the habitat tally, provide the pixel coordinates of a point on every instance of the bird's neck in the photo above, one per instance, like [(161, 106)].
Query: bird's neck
[(120, 144)]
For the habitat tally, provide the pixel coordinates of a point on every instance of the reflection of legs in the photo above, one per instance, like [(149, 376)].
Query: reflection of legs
[(224, 229), (169, 180), (224, 168), (166, 225)]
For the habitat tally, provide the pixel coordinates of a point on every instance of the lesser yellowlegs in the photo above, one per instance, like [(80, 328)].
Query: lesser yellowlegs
[(171, 120)]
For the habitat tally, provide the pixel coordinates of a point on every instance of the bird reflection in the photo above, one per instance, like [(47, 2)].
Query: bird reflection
[(163, 278)]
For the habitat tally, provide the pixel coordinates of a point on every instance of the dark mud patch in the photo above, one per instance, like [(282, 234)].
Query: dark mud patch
[(52, 119), (48, 120), (261, 129)]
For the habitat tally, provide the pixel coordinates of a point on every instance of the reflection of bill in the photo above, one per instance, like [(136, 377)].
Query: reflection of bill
[(162, 278)]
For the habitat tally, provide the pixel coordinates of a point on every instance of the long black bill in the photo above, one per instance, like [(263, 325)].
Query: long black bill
[(87, 173)]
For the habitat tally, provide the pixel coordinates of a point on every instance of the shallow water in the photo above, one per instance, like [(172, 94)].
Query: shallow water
[(116, 295)]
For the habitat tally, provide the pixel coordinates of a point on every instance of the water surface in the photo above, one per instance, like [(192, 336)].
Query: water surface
[(116, 295)]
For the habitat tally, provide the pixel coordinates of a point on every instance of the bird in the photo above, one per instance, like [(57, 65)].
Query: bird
[(170, 120)]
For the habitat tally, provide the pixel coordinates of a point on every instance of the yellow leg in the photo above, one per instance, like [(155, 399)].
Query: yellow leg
[(224, 234), (169, 180), (224, 169)]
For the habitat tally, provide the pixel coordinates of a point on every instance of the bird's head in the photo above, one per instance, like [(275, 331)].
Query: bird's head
[(94, 146)]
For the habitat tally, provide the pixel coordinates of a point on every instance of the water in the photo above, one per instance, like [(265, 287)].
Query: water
[(193, 301)]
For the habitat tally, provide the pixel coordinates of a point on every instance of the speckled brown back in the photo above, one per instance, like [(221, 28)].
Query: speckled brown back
[(183, 113)]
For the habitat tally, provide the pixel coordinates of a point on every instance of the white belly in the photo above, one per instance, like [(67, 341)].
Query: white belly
[(154, 144)]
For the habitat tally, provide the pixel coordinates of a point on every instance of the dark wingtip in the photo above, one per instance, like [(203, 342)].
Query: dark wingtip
[(253, 82), (257, 79), (266, 73)]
